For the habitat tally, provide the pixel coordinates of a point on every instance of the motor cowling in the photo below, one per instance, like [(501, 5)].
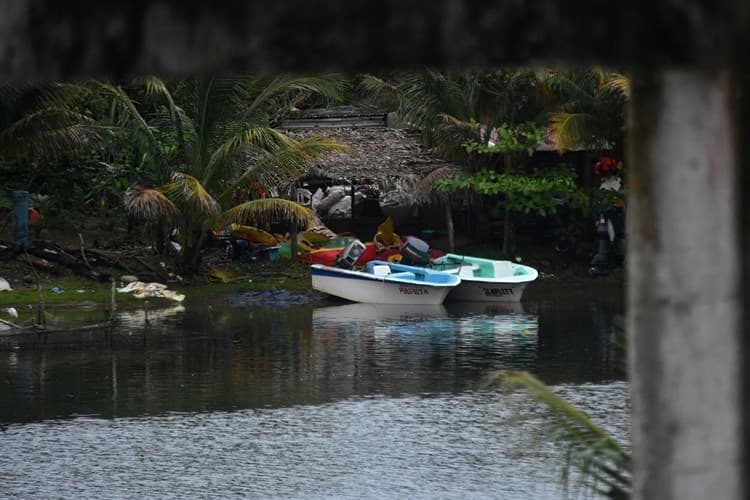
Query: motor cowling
[(415, 251), (350, 254)]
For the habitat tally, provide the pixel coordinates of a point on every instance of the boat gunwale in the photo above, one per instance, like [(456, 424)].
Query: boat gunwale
[(530, 273), (383, 279)]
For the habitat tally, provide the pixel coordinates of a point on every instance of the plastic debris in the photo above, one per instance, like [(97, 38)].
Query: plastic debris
[(128, 278), (143, 290), (4, 285), (12, 312), (57, 289)]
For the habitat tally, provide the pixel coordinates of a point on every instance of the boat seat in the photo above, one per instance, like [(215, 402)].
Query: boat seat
[(404, 275), (467, 271), (381, 270), (502, 268)]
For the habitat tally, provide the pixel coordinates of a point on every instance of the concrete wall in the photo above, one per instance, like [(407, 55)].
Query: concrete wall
[(64, 40)]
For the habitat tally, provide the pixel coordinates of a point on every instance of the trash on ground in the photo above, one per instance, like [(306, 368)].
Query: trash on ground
[(57, 289), (143, 290), (4, 285)]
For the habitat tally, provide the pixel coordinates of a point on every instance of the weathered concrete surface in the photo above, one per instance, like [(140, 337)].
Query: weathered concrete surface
[(63, 40), (683, 287)]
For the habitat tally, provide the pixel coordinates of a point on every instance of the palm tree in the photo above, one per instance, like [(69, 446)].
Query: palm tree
[(43, 121), (455, 108), (222, 129), (590, 108), (450, 107)]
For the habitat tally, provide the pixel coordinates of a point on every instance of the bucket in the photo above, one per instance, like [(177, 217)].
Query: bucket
[(273, 253)]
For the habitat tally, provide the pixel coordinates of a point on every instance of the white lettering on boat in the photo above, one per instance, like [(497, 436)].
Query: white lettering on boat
[(412, 291), (493, 292)]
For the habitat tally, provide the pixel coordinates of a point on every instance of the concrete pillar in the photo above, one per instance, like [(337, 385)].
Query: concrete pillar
[(683, 275)]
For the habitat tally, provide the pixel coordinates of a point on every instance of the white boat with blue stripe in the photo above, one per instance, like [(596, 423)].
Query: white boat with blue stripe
[(384, 283)]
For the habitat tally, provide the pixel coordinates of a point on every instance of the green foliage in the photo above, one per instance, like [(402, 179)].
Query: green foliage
[(605, 199), (217, 138), (6, 203), (538, 194), (589, 108), (525, 137), (449, 106)]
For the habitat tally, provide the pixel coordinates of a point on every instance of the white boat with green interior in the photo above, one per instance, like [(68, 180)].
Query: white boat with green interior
[(485, 280)]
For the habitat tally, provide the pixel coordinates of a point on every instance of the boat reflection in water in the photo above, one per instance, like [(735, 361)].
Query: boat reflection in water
[(450, 338), (351, 312), (509, 317)]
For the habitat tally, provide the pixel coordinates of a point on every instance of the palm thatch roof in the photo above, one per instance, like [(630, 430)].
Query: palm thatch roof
[(377, 155)]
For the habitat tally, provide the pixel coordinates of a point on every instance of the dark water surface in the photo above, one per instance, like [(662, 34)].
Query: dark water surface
[(302, 401)]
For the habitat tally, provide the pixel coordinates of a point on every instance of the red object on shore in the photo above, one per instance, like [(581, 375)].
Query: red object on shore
[(34, 216), (328, 256)]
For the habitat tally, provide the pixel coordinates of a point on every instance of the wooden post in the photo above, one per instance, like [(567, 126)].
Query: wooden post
[(41, 319), (113, 302), (449, 225)]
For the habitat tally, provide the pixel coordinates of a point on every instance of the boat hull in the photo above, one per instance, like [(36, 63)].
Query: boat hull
[(486, 280), (361, 287), (487, 291)]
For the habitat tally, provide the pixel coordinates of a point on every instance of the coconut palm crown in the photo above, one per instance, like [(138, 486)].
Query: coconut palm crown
[(222, 139)]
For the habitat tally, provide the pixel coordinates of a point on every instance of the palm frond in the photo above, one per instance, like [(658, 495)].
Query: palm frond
[(188, 193), (122, 98), (258, 139), (254, 211), (425, 190), (274, 96), (149, 204), (156, 87), (49, 132), (274, 169), (379, 91), (618, 83), (603, 463), (569, 130)]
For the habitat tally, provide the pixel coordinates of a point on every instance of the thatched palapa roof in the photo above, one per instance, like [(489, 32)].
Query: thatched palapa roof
[(376, 153)]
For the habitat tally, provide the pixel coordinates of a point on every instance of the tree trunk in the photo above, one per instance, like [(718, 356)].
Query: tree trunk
[(449, 226), (190, 255), (506, 231)]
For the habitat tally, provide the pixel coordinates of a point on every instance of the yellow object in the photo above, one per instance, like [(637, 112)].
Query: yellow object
[(385, 238), (303, 244), (313, 237), (396, 257), (253, 234)]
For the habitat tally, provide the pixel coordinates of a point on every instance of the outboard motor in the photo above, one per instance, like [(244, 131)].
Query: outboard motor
[(350, 254), (415, 252)]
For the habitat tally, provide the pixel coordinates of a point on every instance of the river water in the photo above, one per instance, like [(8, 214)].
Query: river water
[(225, 398)]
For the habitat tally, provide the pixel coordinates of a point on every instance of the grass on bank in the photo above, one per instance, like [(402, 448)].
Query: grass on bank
[(219, 280)]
